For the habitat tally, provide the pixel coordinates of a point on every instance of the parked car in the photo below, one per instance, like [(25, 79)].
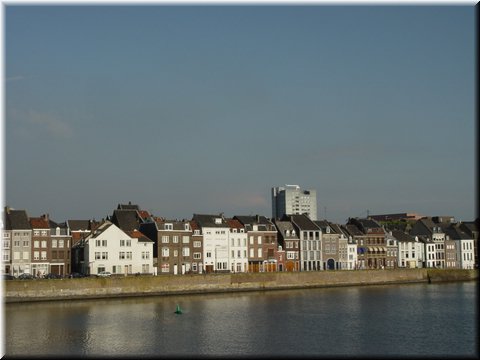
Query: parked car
[(53, 276), (8, 277), (76, 275), (26, 276), (104, 274)]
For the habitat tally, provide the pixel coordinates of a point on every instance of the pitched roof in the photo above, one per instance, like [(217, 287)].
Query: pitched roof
[(401, 236), (39, 223), (353, 230), (234, 224), (204, 220), (127, 220), (176, 224), (17, 220), (302, 221), (140, 236), (77, 225), (456, 233), (128, 206), (283, 226)]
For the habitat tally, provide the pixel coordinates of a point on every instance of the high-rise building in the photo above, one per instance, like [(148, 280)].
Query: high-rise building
[(292, 200)]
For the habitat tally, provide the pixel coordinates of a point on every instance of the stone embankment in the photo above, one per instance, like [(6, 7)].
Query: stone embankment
[(91, 288)]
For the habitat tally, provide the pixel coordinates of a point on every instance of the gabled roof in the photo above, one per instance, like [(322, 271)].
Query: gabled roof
[(79, 225), (176, 224), (353, 230), (303, 222), (234, 224), (323, 224), (209, 220), (338, 229), (401, 236), (128, 206), (456, 233), (39, 223), (283, 226), (140, 236), (127, 220), (16, 220)]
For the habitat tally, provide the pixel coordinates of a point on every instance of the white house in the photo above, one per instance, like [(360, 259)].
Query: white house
[(237, 246), (464, 245), (215, 233), (410, 251), (108, 248)]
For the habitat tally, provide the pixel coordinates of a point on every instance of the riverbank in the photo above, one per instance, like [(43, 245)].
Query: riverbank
[(94, 288)]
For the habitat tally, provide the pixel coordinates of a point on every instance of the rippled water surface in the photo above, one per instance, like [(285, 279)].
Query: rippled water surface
[(420, 319)]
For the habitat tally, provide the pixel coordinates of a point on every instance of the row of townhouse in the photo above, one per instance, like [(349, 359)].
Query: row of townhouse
[(133, 241)]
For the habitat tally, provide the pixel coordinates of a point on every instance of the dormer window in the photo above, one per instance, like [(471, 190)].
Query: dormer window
[(328, 229), (218, 220), (187, 226), (196, 232), (241, 230), (168, 226), (287, 232), (293, 232), (234, 230)]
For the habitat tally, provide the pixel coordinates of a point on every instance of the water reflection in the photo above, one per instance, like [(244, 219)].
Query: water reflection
[(377, 320)]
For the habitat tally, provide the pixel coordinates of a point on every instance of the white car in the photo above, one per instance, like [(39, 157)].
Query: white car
[(104, 274)]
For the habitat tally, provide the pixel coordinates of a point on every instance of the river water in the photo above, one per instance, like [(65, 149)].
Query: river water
[(404, 320)]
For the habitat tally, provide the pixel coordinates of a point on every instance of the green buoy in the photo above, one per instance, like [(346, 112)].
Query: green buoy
[(178, 310)]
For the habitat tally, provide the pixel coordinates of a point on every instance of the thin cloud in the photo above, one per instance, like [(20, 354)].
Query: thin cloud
[(50, 124), (14, 78)]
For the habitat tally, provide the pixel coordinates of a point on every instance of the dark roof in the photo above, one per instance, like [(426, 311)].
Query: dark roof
[(401, 236), (282, 226), (322, 224), (353, 230), (17, 220), (369, 223), (176, 224), (209, 220), (128, 206), (234, 223), (338, 229), (456, 233), (303, 222), (253, 219), (127, 220), (76, 225), (39, 223)]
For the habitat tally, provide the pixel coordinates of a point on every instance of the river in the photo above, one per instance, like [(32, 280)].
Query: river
[(383, 320)]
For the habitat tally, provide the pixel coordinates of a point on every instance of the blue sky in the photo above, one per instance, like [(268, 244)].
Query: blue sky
[(202, 109)]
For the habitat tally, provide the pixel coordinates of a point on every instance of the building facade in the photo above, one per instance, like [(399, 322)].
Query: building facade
[(292, 200)]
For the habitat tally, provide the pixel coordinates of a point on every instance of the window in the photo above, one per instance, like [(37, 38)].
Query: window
[(260, 252), (44, 243), (209, 254), (175, 253), (129, 242), (121, 255), (251, 240), (239, 253), (165, 252), (97, 243), (165, 268), (104, 243), (6, 235), (129, 255), (168, 226), (36, 244), (165, 239), (197, 255), (44, 255), (122, 242), (26, 243), (105, 255), (259, 240), (16, 243), (233, 253), (252, 253), (36, 233), (185, 239), (26, 255), (197, 244), (97, 255), (175, 239), (186, 251), (36, 255), (60, 243), (16, 255)]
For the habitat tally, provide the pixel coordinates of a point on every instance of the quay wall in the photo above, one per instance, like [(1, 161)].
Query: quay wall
[(92, 287)]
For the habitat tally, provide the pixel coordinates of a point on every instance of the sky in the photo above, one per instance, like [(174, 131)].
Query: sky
[(203, 109)]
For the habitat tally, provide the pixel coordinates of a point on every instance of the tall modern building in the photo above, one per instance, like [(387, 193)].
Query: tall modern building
[(292, 200)]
